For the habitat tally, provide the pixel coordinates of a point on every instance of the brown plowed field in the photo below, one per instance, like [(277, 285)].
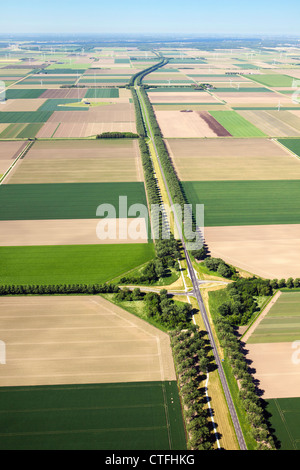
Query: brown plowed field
[(73, 130), (79, 162), (214, 125), (175, 124), (278, 376), (78, 340), (68, 232)]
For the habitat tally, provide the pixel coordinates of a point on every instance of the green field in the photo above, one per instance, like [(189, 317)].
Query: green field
[(246, 202), (104, 80), (21, 131), (285, 418), (282, 323), (291, 144), (65, 200), (236, 124), (52, 105), (24, 116), (272, 80), (69, 64), (102, 93), (29, 131), (70, 264), (123, 416), (232, 89), (19, 93)]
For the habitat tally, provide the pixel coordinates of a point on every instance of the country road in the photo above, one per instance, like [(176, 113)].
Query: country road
[(196, 289)]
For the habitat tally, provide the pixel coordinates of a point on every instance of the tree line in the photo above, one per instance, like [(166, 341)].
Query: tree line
[(248, 393), (192, 358)]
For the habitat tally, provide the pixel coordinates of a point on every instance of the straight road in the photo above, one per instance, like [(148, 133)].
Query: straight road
[(196, 290)]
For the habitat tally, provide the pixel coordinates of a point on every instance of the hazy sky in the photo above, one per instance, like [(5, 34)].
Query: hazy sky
[(257, 17)]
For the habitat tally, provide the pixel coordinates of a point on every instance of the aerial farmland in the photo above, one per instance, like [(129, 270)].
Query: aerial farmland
[(106, 336)]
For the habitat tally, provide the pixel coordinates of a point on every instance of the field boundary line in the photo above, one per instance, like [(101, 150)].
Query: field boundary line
[(281, 414), (293, 154), (22, 153), (260, 316)]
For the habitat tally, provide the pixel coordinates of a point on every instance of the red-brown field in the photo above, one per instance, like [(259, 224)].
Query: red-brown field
[(63, 93)]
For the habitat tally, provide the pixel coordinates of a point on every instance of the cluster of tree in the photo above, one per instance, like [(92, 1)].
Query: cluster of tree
[(117, 135), (248, 392), (242, 296), (160, 307), (200, 254), (138, 77), (191, 357), (64, 289), (219, 266), (139, 120), (153, 271)]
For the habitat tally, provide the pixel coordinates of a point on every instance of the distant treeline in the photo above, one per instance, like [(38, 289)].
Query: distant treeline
[(117, 135)]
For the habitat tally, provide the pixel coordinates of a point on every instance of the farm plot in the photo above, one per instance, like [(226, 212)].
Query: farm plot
[(102, 93), (101, 160), (232, 203), (274, 123), (71, 264), (9, 151), (25, 117), (236, 124), (292, 144), (93, 417), (269, 251), (64, 93), (122, 112), (20, 131), (102, 343), (181, 97), (72, 232), (255, 100), (66, 200), (232, 159), (189, 124), (272, 80), (89, 129), (19, 105), (18, 94), (272, 348), (284, 418)]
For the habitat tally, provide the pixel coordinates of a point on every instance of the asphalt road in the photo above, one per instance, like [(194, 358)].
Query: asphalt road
[(198, 296)]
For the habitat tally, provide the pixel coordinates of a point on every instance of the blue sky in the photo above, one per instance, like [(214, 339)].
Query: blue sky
[(258, 17)]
